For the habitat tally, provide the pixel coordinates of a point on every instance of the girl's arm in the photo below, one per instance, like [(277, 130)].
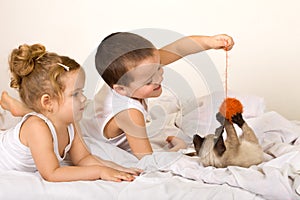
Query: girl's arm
[(36, 135), (88, 159), (131, 170), (132, 122), (193, 44)]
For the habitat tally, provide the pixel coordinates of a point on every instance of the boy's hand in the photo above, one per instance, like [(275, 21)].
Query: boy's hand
[(221, 41), (176, 143)]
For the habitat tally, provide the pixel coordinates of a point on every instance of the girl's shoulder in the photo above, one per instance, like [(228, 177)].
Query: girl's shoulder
[(34, 128), (34, 119), (35, 122)]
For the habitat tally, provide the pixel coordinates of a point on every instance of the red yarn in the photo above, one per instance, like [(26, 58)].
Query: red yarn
[(230, 107)]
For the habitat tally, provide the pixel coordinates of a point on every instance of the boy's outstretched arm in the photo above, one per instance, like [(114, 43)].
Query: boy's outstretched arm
[(193, 44)]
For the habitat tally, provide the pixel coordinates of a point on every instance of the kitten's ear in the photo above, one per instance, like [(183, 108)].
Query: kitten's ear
[(198, 141), (220, 147)]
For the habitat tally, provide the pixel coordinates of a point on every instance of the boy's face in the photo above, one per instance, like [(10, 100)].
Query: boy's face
[(147, 78)]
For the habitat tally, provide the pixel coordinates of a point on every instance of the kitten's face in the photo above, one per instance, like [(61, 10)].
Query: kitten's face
[(209, 148)]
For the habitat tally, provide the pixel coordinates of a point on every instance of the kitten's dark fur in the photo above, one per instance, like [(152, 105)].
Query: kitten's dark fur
[(241, 151)]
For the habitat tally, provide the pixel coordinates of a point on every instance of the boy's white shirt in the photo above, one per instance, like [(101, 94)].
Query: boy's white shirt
[(99, 111)]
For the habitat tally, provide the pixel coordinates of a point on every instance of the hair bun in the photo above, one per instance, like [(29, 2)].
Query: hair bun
[(22, 61)]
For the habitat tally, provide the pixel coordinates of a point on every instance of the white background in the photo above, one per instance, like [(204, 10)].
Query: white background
[(264, 61)]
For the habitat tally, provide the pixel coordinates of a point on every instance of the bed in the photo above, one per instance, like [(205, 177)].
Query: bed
[(177, 176)]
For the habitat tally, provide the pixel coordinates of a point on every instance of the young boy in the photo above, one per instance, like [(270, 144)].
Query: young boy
[(131, 66)]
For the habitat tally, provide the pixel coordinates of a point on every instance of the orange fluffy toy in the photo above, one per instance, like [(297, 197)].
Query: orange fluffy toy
[(230, 107)]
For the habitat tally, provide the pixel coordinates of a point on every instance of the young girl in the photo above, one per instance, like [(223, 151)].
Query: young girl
[(51, 88), (132, 68)]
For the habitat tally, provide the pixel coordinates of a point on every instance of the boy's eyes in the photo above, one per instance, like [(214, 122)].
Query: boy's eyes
[(149, 83)]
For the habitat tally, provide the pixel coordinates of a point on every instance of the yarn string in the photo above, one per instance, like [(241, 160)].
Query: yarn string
[(226, 75)]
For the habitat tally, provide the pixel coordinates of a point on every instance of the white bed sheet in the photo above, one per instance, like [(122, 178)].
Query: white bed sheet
[(175, 176)]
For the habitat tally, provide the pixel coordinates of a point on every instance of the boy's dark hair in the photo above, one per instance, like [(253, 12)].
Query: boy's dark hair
[(120, 52)]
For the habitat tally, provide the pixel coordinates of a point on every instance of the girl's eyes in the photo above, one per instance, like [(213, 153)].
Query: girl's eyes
[(76, 94)]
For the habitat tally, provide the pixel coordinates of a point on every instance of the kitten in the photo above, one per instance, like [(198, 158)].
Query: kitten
[(241, 151)]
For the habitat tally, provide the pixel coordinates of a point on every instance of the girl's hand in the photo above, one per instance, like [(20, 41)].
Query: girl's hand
[(176, 143), (221, 41), (132, 170), (110, 174)]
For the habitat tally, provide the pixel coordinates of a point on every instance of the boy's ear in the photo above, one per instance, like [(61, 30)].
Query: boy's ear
[(120, 89), (46, 102)]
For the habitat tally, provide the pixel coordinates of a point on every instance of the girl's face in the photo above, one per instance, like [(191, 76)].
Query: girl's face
[(73, 102), (147, 78)]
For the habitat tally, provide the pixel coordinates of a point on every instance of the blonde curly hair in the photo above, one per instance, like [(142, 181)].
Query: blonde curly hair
[(35, 72)]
